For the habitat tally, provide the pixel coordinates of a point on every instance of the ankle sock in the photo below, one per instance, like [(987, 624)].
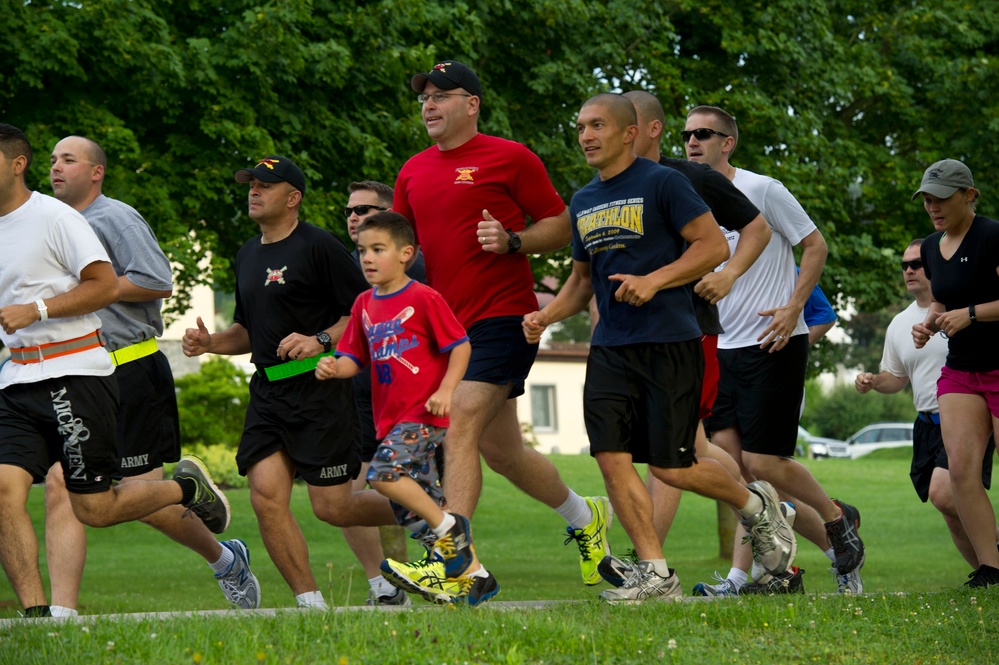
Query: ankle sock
[(60, 612), (575, 511), (441, 529), (37, 611), (224, 562), (738, 577), (312, 599)]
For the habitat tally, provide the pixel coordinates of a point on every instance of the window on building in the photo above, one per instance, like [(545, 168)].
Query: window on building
[(543, 417)]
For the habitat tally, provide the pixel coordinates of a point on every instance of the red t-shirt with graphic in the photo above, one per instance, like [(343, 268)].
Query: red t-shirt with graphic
[(405, 337), (443, 194)]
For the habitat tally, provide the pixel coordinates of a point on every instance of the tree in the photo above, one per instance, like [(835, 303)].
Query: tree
[(845, 102)]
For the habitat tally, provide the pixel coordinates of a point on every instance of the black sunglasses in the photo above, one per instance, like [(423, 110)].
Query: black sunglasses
[(360, 210), (915, 265), (702, 134)]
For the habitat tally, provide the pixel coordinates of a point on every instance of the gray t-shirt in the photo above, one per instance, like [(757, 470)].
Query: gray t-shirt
[(135, 254)]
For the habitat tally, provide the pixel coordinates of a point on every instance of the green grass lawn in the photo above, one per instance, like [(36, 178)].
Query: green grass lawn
[(133, 569)]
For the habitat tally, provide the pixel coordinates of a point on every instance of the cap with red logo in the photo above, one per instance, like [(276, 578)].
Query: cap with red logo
[(274, 168)]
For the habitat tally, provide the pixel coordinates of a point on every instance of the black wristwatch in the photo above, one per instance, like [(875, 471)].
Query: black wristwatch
[(513, 244), (325, 339), (971, 313)]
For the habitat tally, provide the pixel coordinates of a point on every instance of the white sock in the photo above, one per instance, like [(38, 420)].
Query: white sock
[(659, 565), (753, 506), (222, 565), (312, 600), (59, 611), (737, 577), (380, 585), (478, 572), (441, 529), (831, 554), (575, 511)]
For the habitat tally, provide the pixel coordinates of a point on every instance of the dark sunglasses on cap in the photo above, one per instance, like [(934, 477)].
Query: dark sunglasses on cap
[(360, 210), (702, 134), (915, 265)]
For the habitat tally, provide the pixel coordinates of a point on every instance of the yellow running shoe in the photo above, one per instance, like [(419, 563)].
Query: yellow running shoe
[(592, 539)]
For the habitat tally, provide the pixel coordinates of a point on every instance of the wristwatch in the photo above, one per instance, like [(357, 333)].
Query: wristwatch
[(325, 339), (971, 313), (513, 244)]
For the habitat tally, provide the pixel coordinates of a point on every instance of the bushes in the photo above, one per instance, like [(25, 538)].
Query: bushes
[(212, 404), (841, 411), (221, 462)]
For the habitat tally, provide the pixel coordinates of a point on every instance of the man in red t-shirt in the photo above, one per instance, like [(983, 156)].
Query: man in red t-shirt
[(469, 198)]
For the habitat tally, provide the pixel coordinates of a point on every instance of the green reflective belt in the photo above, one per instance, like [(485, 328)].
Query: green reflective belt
[(292, 367)]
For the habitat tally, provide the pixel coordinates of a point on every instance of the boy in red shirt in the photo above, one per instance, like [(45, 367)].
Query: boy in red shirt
[(418, 353)]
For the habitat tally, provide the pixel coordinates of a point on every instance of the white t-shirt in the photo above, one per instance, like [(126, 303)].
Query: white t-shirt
[(770, 281), (46, 244), (921, 366)]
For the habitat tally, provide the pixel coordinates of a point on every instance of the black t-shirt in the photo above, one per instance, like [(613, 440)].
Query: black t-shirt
[(302, 284), (732, 210), (968, 277)]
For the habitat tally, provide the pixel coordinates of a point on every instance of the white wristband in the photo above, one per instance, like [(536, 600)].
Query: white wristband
[(43, 311)]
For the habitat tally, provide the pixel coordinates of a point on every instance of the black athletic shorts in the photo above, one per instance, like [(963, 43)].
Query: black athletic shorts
[(500, 354), (928, 453), (73, 419), (148, 424), (367, 438), (644, 399), (314, 421), (760, 393)]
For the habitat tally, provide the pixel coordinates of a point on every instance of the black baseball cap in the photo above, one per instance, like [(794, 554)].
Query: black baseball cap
[(274, 168), (449, 75)]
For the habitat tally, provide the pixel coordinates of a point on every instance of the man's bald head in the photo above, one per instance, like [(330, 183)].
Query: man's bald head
[(619, 108)]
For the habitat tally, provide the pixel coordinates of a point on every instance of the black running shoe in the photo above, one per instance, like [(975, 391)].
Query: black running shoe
[(985, 576), (209, 503), (789, 582), (843, 533)]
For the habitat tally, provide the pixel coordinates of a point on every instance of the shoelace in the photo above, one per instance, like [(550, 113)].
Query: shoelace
[(724, 587), (583, 540)]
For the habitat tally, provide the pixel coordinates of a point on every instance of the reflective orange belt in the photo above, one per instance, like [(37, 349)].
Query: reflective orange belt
[(27, 355)]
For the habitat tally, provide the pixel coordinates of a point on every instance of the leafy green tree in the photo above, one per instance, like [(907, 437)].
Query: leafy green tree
[(842, 411), (846, 102)]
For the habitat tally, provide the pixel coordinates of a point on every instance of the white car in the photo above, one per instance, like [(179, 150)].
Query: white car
[(870, 438), (818, 446)]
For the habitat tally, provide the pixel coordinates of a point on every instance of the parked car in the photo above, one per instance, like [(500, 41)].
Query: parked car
[(818, 446), (870, 438)]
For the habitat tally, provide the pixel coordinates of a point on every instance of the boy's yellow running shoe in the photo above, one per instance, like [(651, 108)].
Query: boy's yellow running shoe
[(426, 578), (429, 579), (592, 539)]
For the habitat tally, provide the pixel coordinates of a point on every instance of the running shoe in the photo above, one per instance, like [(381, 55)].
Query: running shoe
[(456, 547), (397, 597), (843, 533), (645, 584), (768, 532), (208, 503), (616, 571), (592, 539), (426, 578), (724, 587), (985, 576), (238, 583), (788, 582)]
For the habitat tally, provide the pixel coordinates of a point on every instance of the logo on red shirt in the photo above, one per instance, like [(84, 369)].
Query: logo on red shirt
[(464, 176)]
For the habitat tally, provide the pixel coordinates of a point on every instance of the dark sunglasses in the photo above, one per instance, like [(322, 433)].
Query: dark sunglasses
[(915, 265), (360, 210), (702, 134)]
